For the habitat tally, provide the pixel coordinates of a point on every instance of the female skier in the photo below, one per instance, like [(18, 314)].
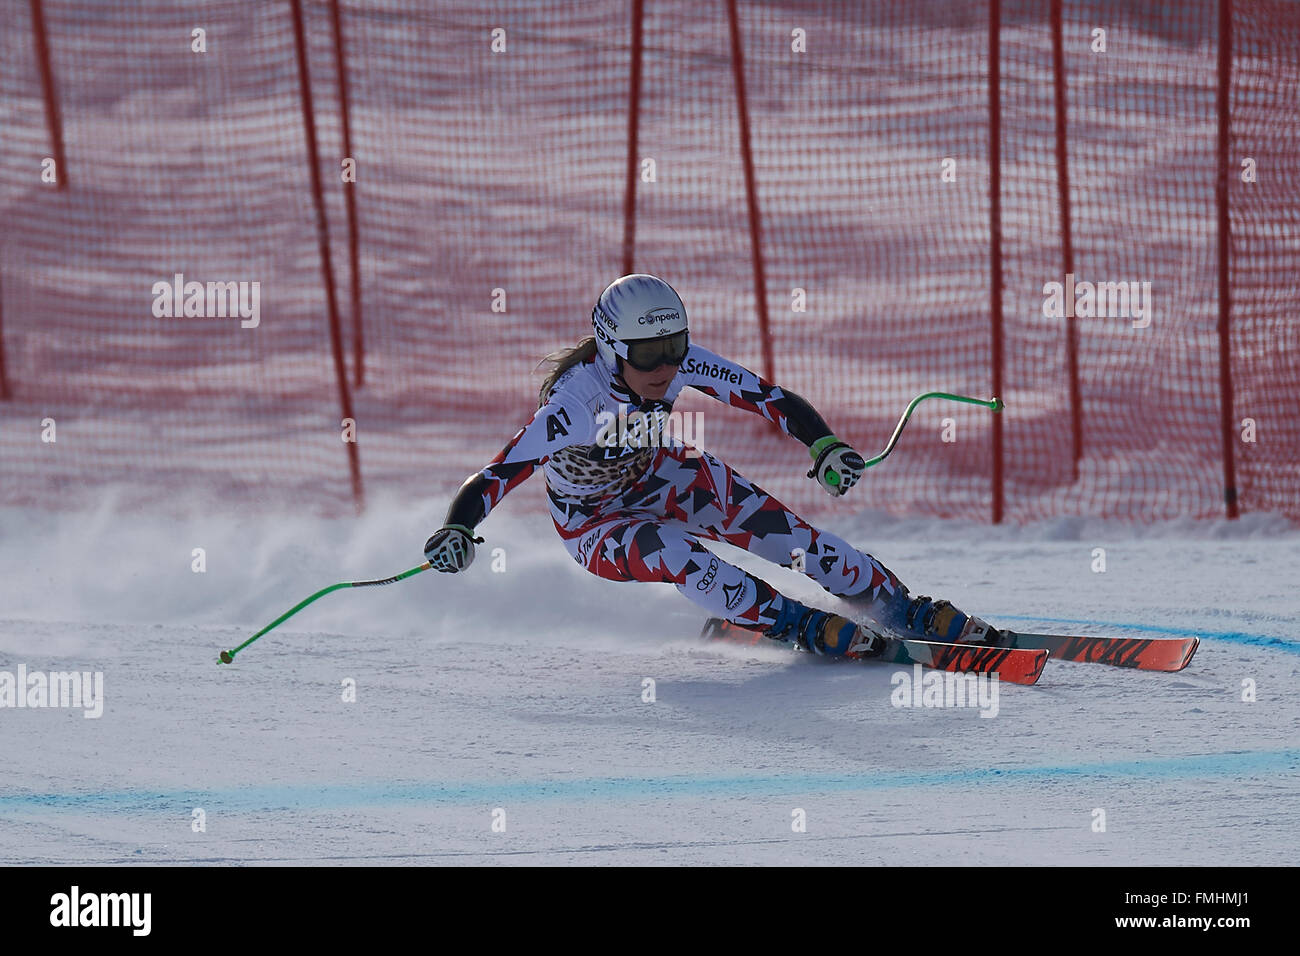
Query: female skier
[(631, 507)]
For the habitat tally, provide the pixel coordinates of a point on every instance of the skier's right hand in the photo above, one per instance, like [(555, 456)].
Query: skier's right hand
[(451, 548)]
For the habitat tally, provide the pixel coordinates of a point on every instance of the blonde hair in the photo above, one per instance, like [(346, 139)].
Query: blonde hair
[(563, 360)]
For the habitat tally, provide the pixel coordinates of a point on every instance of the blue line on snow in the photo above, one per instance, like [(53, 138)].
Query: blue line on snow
[(308, 797), (1235, 637)]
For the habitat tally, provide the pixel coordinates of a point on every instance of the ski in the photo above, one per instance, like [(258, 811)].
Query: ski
[(1013, 664), (1163, 654)]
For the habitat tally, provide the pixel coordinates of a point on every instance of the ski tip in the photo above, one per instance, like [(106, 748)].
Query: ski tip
[(1042, 664), (1026, 667), (1169, 656)]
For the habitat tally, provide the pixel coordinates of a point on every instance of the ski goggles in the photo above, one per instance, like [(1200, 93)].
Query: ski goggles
[(646, 355)]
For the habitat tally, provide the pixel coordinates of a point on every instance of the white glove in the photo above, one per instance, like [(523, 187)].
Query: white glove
[(837, 466), (451, 548)]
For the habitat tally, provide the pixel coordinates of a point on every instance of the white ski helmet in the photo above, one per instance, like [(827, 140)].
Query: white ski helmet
[(639, 318)]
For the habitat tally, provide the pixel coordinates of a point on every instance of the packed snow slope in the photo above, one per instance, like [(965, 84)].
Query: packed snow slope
[(507, 715)]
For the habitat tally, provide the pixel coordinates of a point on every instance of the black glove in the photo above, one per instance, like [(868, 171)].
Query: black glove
[(838, 467), (451, 548)]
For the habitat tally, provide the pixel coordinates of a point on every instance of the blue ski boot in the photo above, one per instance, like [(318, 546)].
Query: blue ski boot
[(922, 618), (821, 632)]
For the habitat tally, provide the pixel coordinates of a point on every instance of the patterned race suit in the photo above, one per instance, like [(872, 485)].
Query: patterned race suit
[(631, 501)]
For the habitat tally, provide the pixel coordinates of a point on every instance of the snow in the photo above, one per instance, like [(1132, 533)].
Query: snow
[(521, 690)]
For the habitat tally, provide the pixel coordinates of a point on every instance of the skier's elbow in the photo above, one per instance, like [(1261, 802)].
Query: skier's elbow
[(466, 507)]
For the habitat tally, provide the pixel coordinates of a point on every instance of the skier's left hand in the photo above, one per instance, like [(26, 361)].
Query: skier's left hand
[(837, 466)]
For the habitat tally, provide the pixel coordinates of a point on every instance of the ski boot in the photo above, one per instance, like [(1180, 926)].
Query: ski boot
[(922, 618), (822, 632)]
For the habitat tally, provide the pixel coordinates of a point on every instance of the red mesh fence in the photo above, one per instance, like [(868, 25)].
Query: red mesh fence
[(495, 178), (1265, 253), (1140, 137), (176, 163)]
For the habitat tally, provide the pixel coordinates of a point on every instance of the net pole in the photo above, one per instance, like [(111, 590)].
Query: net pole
[(995, 243), (1067, 244), (1224, 239), (633, 131), (349, 199), (4, 378), (53, 118), (322, 236), (751, 191)]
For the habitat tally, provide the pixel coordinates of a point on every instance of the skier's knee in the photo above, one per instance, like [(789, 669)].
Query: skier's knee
[(647, 540)]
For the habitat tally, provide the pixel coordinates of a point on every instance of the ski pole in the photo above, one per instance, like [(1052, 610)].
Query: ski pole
[(996, 404), (229, 656)]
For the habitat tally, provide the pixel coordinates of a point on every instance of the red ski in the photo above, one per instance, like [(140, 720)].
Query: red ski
[(1012, 664), (1146, 654)]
